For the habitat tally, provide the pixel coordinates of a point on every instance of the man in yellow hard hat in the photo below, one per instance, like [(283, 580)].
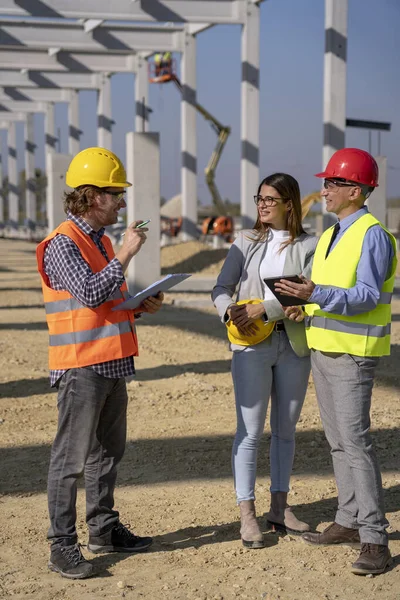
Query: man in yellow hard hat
[(91, 350), (157, 64), (166, 63)]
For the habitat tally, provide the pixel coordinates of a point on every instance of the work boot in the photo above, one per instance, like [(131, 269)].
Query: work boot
[(281, 518), (373, 560), (250, 532), (292, 523), (69, 562), (335, 535), (118, 539)]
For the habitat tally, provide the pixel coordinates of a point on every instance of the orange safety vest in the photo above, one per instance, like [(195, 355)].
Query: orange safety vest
[(82, 336)]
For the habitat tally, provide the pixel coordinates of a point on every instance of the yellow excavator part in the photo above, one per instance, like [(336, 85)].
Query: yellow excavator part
[(308, 201)]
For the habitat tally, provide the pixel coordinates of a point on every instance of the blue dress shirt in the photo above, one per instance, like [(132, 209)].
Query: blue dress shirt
[(375, 261)]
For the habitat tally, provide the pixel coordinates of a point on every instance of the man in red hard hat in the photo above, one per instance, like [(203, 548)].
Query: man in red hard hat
[(348, 329)]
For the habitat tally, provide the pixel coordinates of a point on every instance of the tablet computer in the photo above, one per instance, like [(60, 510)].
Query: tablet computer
[(285, 300)]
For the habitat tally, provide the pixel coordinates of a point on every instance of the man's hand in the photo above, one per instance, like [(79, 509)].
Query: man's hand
[(294, 313), (302, 290), (152, 304), (134, 238), (244, 315)]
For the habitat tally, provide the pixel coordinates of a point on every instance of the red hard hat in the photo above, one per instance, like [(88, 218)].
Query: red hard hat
[(354, 165)]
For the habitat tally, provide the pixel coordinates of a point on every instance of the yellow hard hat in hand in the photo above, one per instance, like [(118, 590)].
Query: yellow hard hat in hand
[(263, 329), (96, 166)]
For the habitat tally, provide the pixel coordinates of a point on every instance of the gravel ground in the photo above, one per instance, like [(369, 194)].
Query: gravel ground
[(175, 481)]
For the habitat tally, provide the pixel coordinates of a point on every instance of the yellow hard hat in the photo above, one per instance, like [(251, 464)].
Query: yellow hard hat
[(264, 329), (96, 166)]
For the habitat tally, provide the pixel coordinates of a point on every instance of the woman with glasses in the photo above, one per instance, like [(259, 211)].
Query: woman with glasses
[(277, 367)]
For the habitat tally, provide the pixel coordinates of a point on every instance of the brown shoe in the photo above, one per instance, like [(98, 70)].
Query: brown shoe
[(281, 518), (373, 560), (250, 532), (334, 534)]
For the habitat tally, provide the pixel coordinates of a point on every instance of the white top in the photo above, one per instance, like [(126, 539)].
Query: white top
[(273, 262)]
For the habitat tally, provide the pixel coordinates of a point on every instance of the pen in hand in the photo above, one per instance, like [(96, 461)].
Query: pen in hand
[(139, 226)]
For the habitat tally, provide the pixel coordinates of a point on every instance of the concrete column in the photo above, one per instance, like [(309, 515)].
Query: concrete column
[(73, 119), (50, 138), (377, 202), (335, 66), (189, 139), (30, 197), (1, 194), (49, 149), (250, 114), (143, 202), (57, 165), (142, 96), (13, 189), (104, 120)]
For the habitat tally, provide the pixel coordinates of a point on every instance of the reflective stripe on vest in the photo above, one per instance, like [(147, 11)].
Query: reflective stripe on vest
[(365, 334), (90, 335), (59, 306), (349, 326), (82, 336)]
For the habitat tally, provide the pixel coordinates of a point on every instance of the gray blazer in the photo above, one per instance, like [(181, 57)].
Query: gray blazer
[(242, 266)]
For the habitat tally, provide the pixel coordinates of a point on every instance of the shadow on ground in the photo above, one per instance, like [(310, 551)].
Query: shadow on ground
[(23, 470)]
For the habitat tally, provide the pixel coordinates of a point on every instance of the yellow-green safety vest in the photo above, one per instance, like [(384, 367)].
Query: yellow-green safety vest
[(365, 334)]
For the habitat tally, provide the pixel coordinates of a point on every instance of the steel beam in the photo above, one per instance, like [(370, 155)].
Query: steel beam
[(84, 63), (12, 106), (173, 11), (48, 80), (12, 94), (8, 117), (56, 36)]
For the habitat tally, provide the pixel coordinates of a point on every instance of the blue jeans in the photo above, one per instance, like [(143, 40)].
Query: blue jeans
[(270, 368), (90, 440)]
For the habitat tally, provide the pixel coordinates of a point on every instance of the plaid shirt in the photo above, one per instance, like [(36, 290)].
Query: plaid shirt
[(68, 271)]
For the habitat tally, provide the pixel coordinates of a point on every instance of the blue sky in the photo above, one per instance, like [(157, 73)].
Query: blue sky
[(291, 80)]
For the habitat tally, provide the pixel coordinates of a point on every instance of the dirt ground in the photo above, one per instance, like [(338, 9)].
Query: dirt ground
[(175, 479)]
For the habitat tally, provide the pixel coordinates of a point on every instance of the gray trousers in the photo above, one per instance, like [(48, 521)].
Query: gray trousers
[(344, 384), (90, 440), (270, 368)]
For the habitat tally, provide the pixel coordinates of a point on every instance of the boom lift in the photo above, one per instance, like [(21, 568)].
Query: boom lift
[(166, 73)]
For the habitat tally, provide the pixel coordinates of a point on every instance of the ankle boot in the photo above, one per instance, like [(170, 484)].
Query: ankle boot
[(250, 532), (281, 518)]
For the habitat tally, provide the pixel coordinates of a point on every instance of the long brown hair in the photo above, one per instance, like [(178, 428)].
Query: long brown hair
[(289, 190), (80, 200)]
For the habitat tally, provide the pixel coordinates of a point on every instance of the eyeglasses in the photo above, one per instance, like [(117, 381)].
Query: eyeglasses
[(329, 184), (268, 200), (118, 195)]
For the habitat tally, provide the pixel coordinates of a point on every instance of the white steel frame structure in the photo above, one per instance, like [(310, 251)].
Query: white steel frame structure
[(57, 42)]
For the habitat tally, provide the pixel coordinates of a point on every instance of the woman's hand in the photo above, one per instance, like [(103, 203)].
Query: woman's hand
[(244, 315), (294, 313)]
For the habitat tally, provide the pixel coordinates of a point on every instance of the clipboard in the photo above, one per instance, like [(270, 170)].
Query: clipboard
[(162, 285), (285, 300)]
